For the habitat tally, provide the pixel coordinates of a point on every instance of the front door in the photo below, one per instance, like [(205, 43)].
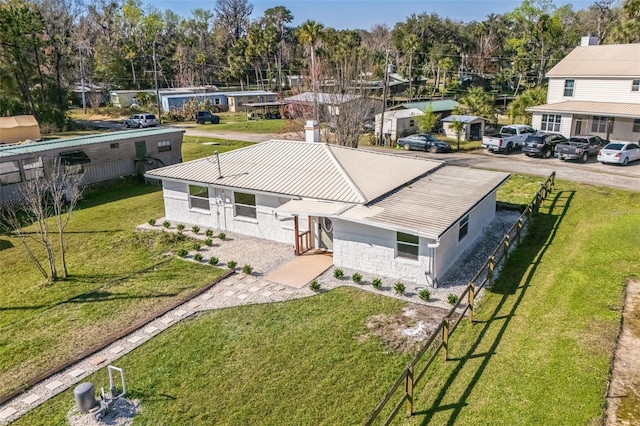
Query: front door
[(326, 233), (141, 155), (141, 150), (578, 130)]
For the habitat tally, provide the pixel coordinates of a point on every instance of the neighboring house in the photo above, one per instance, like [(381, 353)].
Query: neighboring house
[(401, 217), (127, 98), (19, 128), (330, 102), (473, 127), (443, 107), (398, 123), (177, 102), (236, 100), (594, 90), (100, 157)]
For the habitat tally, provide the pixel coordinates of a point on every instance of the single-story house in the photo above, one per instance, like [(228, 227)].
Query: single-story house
[(177, 102), (127, 98), (100, 157), (236, 100), (444, 107), (398, 123), (473, 127), (402, 217), (19, 128), (331, 103)]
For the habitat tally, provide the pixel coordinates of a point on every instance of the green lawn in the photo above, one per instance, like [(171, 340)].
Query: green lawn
[(194, 147), (109, 288), (260, 126)]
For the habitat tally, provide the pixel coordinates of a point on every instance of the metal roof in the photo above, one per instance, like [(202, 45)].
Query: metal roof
[(608, 60), (402, 113), (462, 118), (592, 108), (323, 98), (304, 169), (436, 106), (19, 149), (432, 204), (312, 208), (247, 93)]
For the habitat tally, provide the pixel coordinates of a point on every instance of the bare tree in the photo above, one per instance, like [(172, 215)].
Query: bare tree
[(233, 17)]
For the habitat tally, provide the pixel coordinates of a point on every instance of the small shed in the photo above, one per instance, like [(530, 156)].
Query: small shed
[(473, 127), (398, 123), (237, 100), (19, 128)]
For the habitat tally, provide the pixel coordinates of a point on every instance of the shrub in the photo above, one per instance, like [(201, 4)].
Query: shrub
[(180, 227), (315, 285), (453, 298), (208, 242), (232, 264), (222, 236), (208, 233), (377, 283), (196, 246), (399, 288), (247, 269), (338, 273), (182, 252), (357, 278), (213, 261), (152, 222), (424, 294), (198, 257), (195, 229), (166, 224)]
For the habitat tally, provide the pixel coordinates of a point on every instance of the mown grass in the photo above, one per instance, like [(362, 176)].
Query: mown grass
[(300, 362), (259, 126), (194, 147), (118, 276)]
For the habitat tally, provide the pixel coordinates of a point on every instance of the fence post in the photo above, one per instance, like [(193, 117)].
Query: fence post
[(507, 244), (445, 338), (518, 230), (409, 390), (472, 296), (490, 271)]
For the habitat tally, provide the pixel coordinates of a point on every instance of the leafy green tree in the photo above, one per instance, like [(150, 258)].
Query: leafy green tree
[(531, 97), (310, 33), (428, 120), (458, 129), (476, 102), (409, 46)]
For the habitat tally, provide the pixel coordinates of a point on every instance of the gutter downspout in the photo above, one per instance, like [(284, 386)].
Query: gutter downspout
[(432, 273)]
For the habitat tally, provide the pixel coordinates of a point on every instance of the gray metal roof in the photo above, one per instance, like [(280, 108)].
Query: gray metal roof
[(19, 149), (323, 98), (432, 204), (608, 60), (304, 169), (436, 106), (462, 118), (611, 109)]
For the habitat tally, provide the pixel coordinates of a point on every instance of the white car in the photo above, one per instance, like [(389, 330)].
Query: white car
[(619, 153)]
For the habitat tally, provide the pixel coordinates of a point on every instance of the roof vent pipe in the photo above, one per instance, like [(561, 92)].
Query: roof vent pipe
[(311, 131)]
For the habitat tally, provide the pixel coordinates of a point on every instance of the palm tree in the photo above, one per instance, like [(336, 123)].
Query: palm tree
[(458, 128), (476, 102), (410, 45), (517, 109), (309, 33)]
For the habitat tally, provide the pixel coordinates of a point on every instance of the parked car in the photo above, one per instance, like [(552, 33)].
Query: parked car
[(201, 117), (619, 153), (423, 142), (542, 144), (580, 148), (141, 120), (508, 139)]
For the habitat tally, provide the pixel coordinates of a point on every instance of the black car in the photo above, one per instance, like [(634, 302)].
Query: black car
[(542, 144), (423, 142), (201, 117)]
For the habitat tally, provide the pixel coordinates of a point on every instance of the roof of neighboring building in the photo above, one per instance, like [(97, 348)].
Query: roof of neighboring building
[(607, 60), (18, 121), (610, 109), (28, 148), (431, 205), (323, 98), (462, 118), (248, 93), (436, 106), (195, 95), (402, 113), (304, 169)]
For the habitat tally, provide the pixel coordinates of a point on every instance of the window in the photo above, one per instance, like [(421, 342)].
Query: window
[(464, 228), (217, 101), (33, 168), (244, 205), (9, 172), (412, 122), (551, 122), (198, 197), (407, 245), (599, 124), (164, 146), (568, 87), (636, 125), (115, 145), (635, 86)]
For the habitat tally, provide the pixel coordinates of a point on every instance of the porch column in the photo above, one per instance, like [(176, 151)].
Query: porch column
[(309, 235), (296, 234)]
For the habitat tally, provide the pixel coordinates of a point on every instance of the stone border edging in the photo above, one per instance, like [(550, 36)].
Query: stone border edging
[(58, 368)]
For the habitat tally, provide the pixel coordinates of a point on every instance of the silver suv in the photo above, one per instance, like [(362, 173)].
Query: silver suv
[(141, 120)]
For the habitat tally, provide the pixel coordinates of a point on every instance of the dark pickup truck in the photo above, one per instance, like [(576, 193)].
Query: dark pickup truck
[(580, 148)]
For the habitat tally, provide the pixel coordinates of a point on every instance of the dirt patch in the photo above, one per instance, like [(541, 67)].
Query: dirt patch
[(623, 398), (406, 330)]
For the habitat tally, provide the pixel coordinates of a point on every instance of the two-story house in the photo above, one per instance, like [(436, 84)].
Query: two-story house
[(594, 90)]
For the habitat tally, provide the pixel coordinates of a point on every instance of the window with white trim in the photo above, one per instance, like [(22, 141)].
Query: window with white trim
[(115, 145), (164, 146), (636, 125), (568, 87), (10, 173), (551, 122), (635, 86), (599, 124), (464, 228), (199, 197), (33, 168), (407, 246), (244, 205)]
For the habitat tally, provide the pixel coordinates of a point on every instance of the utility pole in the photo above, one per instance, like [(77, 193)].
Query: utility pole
[(384, 96), (155, 75), (84, 99)]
